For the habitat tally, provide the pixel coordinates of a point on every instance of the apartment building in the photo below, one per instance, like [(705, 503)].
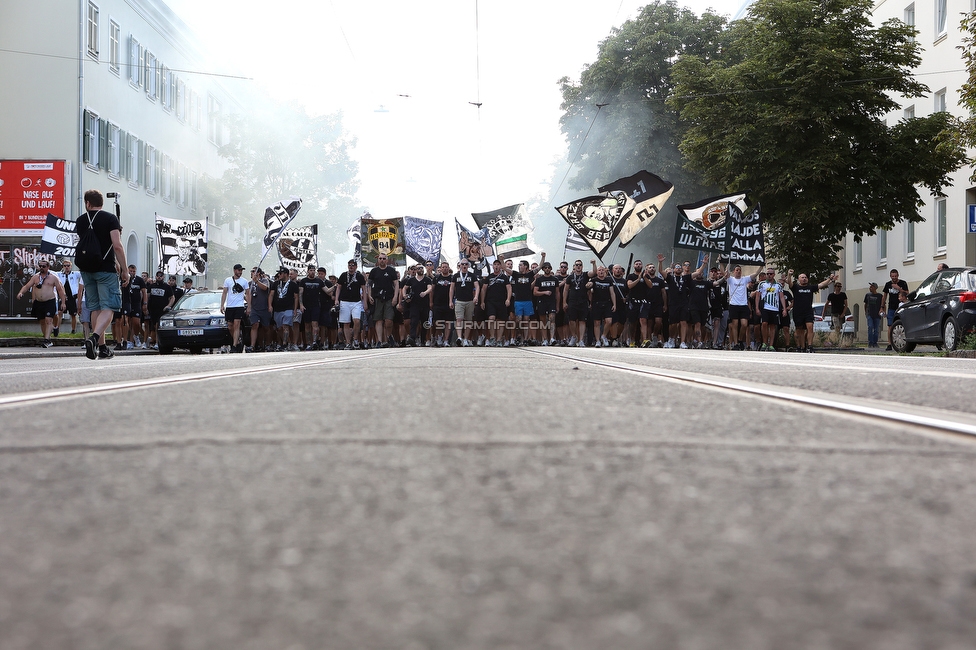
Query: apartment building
[(114, 95)]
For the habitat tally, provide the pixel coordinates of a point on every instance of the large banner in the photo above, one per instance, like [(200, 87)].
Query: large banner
[(29, 190), (18, 263), (383, 236), (476, 247), (298, 247), (508, 228), (355, 233), (746, 242), (704, 225), (423, 238), (649, 192), (182, 246), (598, 219), (60, 237)]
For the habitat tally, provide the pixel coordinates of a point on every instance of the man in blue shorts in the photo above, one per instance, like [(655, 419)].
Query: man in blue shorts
[(103, 292)]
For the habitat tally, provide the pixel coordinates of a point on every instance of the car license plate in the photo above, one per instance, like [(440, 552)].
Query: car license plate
[(189, 332)]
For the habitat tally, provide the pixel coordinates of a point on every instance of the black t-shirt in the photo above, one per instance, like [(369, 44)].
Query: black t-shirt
[(284, 295), (136, 285), (382, 281), (414, 288), (159, 295), (836, 302), (177, 294), (718, 297), (547, 283), (601, 289), (522, 285), (311, 291), (464, 284), (350, 286), (892, 291), (442, 290), (698, 294), (103, 223), (654, 295), (576, 288), (803, 298), (678, 288), (327, 301), (622, 291), (496, 288), (872, 304), (638, 292)]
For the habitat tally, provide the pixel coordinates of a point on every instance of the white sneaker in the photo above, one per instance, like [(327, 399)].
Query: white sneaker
[(481, 341), (669, 344), (683, 346), (545, 342), (572, 341), (605, 342), (581, 344), (615, 344)]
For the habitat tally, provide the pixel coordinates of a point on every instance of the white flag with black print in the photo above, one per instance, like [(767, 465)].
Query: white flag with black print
[(182, 246), (298, 247), (59, 236), (276, 218)]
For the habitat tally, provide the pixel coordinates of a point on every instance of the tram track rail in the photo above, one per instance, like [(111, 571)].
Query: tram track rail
[(958, 426)]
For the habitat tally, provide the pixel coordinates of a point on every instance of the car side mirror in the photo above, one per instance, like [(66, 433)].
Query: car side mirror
[(911, 296)]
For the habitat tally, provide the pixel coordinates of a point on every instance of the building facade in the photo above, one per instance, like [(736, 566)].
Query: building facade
[(916, 249), (122, 92)]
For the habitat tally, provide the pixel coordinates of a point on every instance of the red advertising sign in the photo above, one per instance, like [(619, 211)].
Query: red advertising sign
[(29, 189)]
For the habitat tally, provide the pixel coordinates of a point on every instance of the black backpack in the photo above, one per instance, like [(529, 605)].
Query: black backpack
[(88, 253)]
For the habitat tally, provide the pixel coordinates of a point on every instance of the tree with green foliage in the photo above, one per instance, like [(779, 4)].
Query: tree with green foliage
[(276, 155), (616, 119), (794, 110), (966, 134)]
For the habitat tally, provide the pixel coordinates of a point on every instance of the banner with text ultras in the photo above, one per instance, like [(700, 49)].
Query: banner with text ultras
[(29, 190)]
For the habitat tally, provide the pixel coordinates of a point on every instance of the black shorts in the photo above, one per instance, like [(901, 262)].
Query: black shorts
[(444, 314), (71, 304), (620, 316), (739, 312), (135, 313), (45, 309), (397, 316), (601, 311), (311, 314), (545, 307), (770, 316), (654, 311), (800, 319), (716, 312), (683, 314), (496, 309), (329, 317), (234, 313), (635, 311), (560, 318), (577, 312), (698, 316)]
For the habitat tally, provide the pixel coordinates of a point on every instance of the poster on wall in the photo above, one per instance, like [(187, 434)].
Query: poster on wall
[(29, 190), (18, 263)]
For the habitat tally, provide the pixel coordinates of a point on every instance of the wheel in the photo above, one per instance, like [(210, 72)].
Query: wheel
[(166, 349), (950, 335), (898, 339)]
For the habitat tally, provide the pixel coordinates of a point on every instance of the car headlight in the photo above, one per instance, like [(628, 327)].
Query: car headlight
[(166, 324), (220, 321)]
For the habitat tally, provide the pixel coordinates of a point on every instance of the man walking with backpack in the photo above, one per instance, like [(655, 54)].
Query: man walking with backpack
[(101, 260)]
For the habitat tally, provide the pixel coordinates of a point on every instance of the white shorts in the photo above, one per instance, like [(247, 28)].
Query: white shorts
[(350, 311)]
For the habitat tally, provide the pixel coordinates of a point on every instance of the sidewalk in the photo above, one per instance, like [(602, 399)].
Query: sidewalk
[(28, 347)]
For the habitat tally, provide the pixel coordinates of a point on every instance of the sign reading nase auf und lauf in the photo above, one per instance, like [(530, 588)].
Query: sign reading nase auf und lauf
[(29, 190)]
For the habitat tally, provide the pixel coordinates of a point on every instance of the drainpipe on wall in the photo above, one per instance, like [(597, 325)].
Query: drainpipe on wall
[(82, 6)]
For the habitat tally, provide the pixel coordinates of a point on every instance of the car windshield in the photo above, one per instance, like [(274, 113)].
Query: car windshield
[(201, 300)]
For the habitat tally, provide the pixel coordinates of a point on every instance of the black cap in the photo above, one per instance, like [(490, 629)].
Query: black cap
[(238, 267), (185, 280)]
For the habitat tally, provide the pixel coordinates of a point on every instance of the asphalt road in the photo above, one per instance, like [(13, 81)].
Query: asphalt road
[(482, 498)]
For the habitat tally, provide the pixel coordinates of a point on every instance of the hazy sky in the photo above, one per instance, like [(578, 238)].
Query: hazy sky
[(404, 75)]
